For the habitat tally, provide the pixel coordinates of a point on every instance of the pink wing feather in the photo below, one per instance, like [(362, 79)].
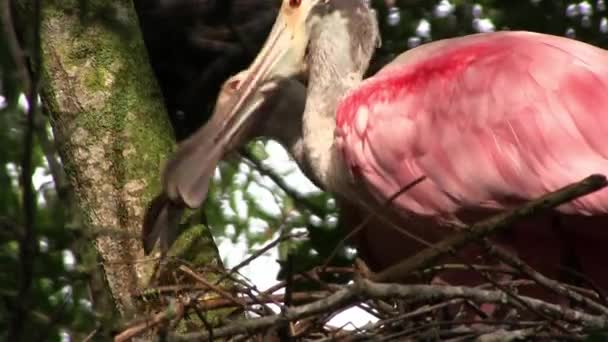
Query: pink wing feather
[(490, 119)]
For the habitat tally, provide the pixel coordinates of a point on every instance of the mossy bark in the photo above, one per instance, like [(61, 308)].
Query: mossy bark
[(112, 131)]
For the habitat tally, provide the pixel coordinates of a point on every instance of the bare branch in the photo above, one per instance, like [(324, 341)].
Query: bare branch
[(490, 226), (541, 279), (176, 309), (371, 216), (211, 286), (280, 182), (365, 289), (16, 52)]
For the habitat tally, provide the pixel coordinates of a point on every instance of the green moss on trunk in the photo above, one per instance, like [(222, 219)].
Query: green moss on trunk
[(112, 132)]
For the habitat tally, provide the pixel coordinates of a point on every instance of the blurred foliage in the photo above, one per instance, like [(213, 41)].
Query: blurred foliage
[(59, 296)]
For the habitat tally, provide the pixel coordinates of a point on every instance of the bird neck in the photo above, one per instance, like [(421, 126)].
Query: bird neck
[(322, 162), (337, 60)]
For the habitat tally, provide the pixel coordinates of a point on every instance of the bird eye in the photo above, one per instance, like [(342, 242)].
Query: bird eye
[(295, 3)]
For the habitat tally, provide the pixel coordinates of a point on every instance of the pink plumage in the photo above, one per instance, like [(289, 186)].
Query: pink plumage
[(492, 120)]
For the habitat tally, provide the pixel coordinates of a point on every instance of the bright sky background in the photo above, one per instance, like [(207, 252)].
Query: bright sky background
[(263, 270)]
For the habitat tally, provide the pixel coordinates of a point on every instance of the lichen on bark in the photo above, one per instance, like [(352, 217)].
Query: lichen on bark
[(112, 132)]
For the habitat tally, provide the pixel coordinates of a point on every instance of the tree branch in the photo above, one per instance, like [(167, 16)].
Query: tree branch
[(27, 243), (497, 223), (365, 289), (14, 48), (280, 182), (550, 284)]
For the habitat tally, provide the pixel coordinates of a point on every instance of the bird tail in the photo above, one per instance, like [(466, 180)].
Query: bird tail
[(161, 223)]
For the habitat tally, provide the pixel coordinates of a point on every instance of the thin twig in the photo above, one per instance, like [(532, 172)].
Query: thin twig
[(176, 309), (525, 305), (433, 270), (14, 48), (212, 287), (92, 334), (222, 303), (259, 252), (206, 323), (249, 290), (551, 284), (27, 244), (280, 182), (369, 217)]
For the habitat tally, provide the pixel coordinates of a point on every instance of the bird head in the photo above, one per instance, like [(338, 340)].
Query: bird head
[(284, 55), (246, 97), (233, 123), (186, 175)]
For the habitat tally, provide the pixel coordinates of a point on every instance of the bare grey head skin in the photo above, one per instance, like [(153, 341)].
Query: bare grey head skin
[(340, 36)]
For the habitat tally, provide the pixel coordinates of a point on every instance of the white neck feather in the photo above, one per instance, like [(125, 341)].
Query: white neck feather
[(336, 66)]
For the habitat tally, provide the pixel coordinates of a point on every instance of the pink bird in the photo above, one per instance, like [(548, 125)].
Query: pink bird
[(492, 120)]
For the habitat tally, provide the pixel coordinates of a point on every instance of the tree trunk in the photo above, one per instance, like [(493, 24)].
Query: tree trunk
[(112, 132)]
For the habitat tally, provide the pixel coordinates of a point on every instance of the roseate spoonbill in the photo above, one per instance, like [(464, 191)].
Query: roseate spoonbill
[(491, 119)]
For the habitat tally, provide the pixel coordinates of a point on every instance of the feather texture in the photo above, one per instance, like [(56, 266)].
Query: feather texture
[(490, 119)]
